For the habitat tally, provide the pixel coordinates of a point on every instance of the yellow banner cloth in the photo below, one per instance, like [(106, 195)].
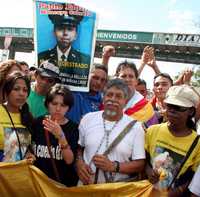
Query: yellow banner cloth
[(20, 179)]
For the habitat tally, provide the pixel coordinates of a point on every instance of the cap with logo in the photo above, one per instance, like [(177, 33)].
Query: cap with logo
[(182, 95), (48, 69)]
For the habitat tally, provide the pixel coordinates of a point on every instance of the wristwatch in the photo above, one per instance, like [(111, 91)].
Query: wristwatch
[(117, 166)]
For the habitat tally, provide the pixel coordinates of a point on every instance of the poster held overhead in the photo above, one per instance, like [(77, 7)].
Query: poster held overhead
[(65, 34)]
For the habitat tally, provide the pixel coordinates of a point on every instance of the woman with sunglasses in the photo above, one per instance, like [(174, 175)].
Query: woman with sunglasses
[(168, 143), (55, 138), (15, 121)]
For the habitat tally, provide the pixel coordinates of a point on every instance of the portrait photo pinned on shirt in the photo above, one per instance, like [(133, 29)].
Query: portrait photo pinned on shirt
[(65, 33)]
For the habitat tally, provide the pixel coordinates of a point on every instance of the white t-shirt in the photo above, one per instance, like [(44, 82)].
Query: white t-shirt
[(194, 186), (198, 127), (91, 133)]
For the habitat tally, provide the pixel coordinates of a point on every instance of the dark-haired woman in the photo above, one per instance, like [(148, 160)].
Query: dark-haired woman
[(15, 119), (168, 143), (6, 68), (55, 138)]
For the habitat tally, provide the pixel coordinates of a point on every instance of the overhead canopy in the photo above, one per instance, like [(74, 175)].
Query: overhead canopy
[(172, 47)]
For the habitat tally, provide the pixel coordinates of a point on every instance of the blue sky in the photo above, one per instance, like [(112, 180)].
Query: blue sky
[(141, 15)]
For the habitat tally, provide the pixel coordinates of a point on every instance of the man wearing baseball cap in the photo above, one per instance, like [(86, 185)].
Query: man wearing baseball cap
[(45, 77)]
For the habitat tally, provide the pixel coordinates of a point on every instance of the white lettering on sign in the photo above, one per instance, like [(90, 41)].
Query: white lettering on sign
[(117, 36)]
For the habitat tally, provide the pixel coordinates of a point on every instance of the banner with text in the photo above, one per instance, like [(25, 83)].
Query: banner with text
[(192, 40), (124, 36)]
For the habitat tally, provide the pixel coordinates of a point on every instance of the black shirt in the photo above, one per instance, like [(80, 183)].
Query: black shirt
[(66, 172)]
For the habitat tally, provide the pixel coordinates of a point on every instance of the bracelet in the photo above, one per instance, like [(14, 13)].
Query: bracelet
[(117, 166), (64, 146), (61, 135)]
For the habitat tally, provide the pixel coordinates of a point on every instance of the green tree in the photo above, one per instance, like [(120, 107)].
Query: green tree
[(196, 77)]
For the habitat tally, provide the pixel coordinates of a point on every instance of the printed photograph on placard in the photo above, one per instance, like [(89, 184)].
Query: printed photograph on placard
[(65, 35)]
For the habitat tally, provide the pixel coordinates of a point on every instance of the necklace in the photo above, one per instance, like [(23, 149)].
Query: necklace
[(108, 131), (110, 176), (105, 136)]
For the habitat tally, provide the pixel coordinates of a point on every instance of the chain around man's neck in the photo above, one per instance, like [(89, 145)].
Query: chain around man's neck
[(108, 131)]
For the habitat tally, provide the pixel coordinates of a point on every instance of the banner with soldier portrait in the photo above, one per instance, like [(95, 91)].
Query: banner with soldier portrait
[(65, 36)]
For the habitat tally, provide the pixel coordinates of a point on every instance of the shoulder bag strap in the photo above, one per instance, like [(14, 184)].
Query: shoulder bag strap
[(184, 160), (119, 138), (15, 130), (115, 142), (56, 173)]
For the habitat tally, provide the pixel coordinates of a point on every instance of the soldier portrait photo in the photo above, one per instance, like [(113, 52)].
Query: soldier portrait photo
[(69, 50)]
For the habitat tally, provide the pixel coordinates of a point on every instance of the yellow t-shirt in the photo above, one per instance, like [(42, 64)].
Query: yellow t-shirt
[(167, 151), (9, 146)]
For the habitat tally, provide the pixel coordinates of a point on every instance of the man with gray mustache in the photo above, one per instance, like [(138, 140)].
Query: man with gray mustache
[(99, 129)]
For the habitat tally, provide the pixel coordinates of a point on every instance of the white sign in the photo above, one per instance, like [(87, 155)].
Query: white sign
[(177, 39), (7, 41), (4, 55)]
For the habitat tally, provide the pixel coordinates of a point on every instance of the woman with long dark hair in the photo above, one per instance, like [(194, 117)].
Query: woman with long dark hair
[(15, 119), (167, 144), (6, 68)]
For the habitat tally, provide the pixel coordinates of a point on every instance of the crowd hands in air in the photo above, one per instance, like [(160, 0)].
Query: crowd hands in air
[(80, 127)]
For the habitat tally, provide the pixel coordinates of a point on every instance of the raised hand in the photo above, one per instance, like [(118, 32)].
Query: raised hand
[(108, 51), (187, 76), (148, 56), (53, 127)]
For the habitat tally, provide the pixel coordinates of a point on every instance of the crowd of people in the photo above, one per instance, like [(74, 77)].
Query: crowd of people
[(115, 132)]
